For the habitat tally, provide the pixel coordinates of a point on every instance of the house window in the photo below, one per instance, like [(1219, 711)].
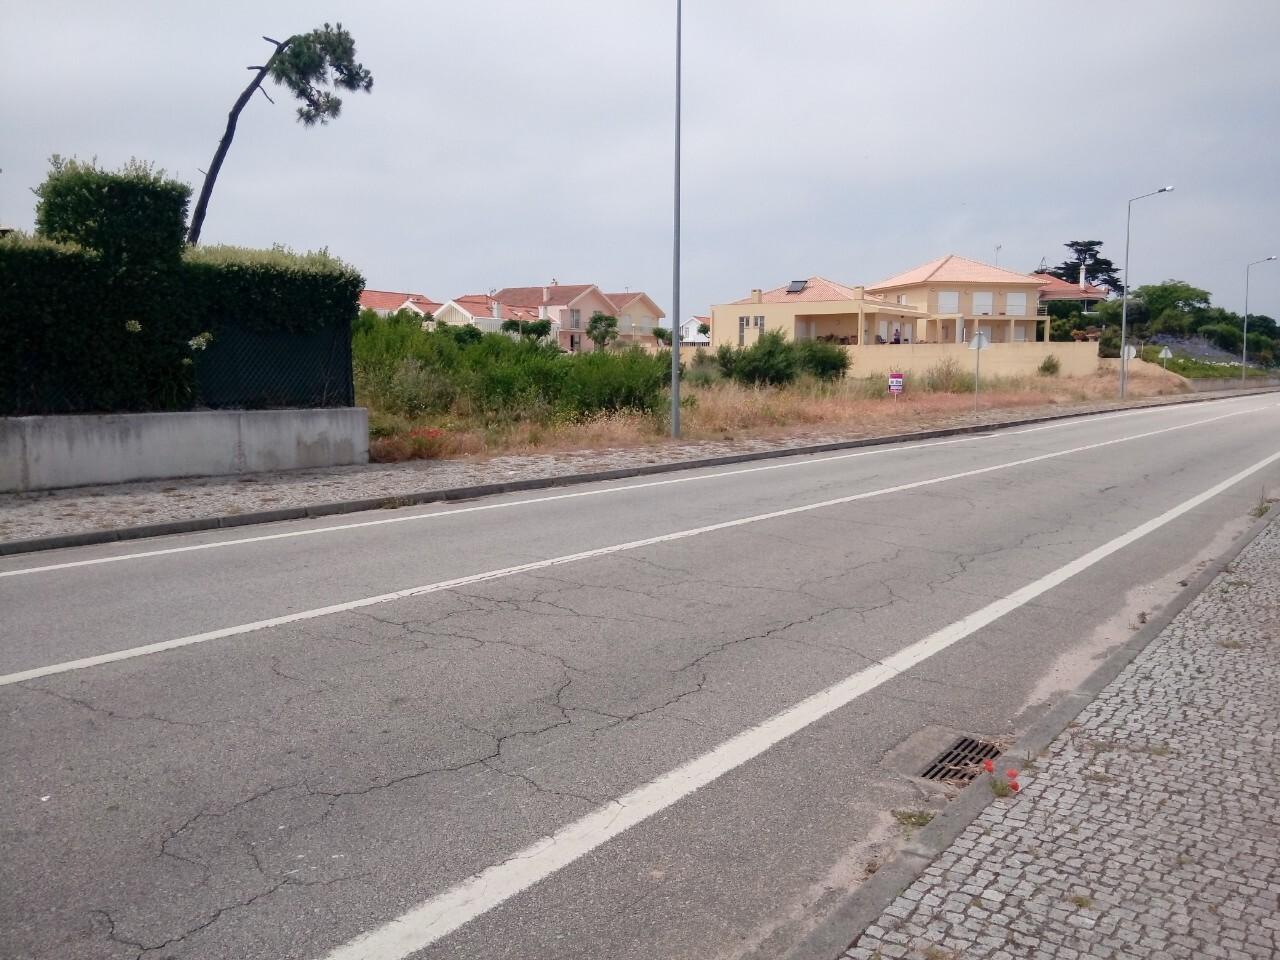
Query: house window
[(575, 319), (575, 342), (743, 322), (948, 301), (1015, 304), (759, 323), (982, 303)]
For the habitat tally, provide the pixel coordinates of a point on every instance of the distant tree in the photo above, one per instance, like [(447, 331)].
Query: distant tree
[(704, 329), (533, 329), (602, 329), (306, 63), (1171, 295), (663, 335), (1097, 268)]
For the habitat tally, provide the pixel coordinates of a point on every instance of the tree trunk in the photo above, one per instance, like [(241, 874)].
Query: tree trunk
[(206, 190)]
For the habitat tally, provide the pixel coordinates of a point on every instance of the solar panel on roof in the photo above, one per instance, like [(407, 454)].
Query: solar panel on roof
[(795, 286)]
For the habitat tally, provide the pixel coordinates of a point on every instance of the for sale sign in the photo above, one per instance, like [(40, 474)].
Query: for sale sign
[(895, 383)]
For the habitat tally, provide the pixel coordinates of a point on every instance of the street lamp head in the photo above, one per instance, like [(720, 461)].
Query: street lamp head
[(1165, 189), (1269, 258)]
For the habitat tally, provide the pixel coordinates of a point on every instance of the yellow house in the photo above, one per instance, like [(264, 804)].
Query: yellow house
[(962, 296), (814, 309)]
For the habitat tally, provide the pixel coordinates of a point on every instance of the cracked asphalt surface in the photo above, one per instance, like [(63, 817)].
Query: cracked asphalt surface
[(277, 793)]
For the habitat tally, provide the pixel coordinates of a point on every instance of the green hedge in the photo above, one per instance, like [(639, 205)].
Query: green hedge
[(78, 335), (107, 310), (135, 217)]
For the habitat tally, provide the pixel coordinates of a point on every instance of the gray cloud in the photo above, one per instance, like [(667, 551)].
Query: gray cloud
[(508, 142)]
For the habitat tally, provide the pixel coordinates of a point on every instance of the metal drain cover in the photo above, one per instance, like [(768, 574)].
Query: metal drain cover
[(962, 762)]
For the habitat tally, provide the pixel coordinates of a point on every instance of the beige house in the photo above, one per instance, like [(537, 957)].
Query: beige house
[(912, 322), (814, 309), (961, 297)]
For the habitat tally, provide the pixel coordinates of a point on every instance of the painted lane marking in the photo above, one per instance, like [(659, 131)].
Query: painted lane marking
[(444, 913), (503, 572), (444, 511)]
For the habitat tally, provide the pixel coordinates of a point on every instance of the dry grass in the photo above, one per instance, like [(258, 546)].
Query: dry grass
[(727, 411)]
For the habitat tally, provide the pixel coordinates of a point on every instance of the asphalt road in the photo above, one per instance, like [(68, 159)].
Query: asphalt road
[(586, 726)]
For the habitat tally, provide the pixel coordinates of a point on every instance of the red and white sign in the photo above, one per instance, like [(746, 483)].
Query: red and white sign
[(895, 383)]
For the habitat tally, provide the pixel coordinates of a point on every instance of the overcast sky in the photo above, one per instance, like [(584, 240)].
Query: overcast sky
[(507, 142)]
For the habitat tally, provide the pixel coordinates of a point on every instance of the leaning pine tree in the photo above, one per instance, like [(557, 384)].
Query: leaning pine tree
[(308, 64)]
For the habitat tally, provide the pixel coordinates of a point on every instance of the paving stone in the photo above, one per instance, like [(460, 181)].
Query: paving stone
[(1148, 828)]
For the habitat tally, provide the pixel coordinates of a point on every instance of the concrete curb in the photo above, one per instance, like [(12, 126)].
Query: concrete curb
[(863, 906), (198, 524)]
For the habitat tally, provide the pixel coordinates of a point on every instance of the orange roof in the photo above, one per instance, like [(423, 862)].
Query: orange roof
[(481, 305), (389, 300), (554, 295), (954, 269), (816, 290), (620, 300), (1055, 288)]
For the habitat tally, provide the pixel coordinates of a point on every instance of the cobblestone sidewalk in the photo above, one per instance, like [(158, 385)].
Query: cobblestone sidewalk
[(1151, 826), (82, 509)]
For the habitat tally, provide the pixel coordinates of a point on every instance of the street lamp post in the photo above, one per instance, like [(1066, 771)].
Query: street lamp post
[(1244, 346), (675, 256), (1124, 303)]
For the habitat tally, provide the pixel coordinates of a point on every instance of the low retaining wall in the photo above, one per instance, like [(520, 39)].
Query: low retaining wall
[(1231, 383), (998, 359), (43, 453)]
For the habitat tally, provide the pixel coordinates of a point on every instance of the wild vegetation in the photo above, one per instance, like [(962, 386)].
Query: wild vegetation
[(454, 391)]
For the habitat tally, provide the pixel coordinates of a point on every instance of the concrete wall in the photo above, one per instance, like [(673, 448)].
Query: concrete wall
[(1230, 383), (43, 453), (998, 359)]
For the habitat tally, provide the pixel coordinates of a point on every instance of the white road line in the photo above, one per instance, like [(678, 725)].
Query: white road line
[(442, 914), (502, 572), (602, 491)]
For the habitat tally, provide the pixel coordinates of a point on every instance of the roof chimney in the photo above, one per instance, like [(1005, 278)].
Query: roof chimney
[(757, 296), (496, 309), (1083, 284)]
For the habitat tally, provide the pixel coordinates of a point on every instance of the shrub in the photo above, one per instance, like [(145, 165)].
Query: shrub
[(1049, 366), (135, 216), (726, 360), (826, 361), (770, 361), (946, 376)]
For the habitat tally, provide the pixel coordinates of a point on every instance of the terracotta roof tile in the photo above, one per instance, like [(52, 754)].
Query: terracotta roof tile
[(557, 295), (954, 269), (1055, 288), (389, 300), (816, 290)]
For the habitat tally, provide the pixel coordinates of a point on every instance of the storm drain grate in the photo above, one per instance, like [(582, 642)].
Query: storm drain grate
[(962, 762)]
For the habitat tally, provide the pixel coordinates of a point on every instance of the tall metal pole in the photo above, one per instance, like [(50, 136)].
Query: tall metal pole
[(1244, 347), (1124, 301), (675, 268)]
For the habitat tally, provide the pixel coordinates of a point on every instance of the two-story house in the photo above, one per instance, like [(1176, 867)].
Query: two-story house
[(962, 297), (569, 307)]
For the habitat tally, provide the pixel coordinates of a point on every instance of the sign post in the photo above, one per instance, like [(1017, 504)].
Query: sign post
[(977, 345), (1165, 355), (895, 384)]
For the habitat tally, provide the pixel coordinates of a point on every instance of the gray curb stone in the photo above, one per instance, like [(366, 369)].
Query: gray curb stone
[(864, 905), (198, 524)]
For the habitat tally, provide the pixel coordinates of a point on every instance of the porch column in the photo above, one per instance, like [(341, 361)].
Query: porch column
[(959, 326), (1046, 328), (1012, 331)]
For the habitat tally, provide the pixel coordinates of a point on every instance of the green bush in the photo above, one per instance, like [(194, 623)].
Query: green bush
[(404, 370), (1050, 366), (770, 361), (826, 361), (135, 217)]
